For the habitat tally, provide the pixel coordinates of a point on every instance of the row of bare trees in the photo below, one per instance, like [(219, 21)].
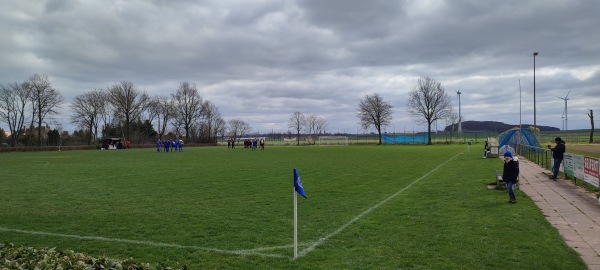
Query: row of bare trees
[(124, 110), (428, 102), (131, 113), (26, 104), (311, 125), (120, 110)]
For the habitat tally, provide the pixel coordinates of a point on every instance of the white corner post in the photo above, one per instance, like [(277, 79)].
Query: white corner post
[(295, 224)]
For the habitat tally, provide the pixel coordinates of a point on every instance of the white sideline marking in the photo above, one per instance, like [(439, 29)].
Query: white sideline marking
[(359, 216), (265, 248), (150, 243)]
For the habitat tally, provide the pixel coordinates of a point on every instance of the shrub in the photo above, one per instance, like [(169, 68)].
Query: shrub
[(12, 257)]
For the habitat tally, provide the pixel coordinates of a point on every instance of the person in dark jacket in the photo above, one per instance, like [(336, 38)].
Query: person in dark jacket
[(557, 154), (510, 175)]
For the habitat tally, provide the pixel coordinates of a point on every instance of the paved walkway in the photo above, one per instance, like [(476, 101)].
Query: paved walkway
[(574, 212)]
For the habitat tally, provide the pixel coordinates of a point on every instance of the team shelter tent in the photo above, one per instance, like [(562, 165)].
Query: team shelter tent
[(517, 136)]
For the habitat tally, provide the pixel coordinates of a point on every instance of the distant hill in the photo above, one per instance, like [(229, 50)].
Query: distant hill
[(494, 126)]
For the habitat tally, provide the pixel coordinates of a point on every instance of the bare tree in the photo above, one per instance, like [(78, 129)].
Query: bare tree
[(591, 115), (374, 111), (14, 100), (2, 136), (151, 113), (106, 114), (428, 102), (297, 123), (315, 125), (176, 125), (220, 127), (238, 127), (212, 120), (45, 99), (451, 121), (128, 103), (189, 106), (88, 110), (164, 108)]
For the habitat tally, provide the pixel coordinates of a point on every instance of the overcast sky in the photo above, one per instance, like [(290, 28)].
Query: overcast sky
[(260, 61)]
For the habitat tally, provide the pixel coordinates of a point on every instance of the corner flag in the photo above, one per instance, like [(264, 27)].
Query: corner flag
[(298, 189), (298, 184)]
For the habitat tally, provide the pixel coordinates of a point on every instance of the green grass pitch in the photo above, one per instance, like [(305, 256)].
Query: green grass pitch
[(368, 207)]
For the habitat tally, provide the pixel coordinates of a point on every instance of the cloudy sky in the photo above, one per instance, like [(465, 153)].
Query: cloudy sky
[(260, 61)]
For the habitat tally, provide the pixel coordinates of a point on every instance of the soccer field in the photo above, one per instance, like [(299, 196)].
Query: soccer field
[(368, 207)]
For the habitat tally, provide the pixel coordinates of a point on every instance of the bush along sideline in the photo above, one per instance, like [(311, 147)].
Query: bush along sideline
[(12, 257)]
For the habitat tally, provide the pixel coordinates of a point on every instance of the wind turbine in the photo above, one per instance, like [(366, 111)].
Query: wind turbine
[(566, 118), (562, 118)]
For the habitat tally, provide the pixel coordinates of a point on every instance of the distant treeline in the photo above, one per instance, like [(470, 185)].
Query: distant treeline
[(493, 126)]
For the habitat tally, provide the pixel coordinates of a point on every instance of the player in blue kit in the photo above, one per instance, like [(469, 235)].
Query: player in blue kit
[(254, 144), (158, 145)]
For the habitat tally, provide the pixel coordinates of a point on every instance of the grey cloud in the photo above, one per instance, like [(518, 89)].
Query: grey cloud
[(261, 61)]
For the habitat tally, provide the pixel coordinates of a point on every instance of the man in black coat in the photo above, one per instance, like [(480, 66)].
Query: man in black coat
[(557, 154)]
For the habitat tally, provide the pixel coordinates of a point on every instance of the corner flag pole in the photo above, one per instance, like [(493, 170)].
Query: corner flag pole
[(298, 188), (295, 224)]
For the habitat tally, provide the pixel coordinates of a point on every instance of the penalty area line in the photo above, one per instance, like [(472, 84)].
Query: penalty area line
[(321, 240), (252, 252)]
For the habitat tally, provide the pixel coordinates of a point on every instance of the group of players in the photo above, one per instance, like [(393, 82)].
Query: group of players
[(248, 143), (169, 146), (177, 144)]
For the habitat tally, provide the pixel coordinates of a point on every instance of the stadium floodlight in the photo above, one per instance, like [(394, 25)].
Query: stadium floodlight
[(534, 120)]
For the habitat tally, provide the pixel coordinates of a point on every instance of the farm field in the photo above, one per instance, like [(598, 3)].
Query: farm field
[(368, 207)]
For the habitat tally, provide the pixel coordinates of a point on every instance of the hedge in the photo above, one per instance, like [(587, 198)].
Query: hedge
[(12, 257)]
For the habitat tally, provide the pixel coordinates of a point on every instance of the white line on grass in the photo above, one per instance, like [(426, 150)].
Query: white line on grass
[(265, 248), (359, 216), (150, 243)]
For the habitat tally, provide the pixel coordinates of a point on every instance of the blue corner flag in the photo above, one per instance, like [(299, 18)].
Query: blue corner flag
[(298, 184)]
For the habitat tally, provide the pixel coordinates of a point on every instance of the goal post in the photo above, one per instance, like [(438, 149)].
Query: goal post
[(333, 140)]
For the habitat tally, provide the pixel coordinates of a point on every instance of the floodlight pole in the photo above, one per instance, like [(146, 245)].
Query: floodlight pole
[(459, 114), (520, 123), (460, 131), (534, 109)]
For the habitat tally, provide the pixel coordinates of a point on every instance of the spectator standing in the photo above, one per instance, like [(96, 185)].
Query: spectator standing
[(510, 175), (557, 155), (486, 149)]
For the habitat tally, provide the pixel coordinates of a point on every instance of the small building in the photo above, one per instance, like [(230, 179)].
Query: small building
[(492, 147)]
